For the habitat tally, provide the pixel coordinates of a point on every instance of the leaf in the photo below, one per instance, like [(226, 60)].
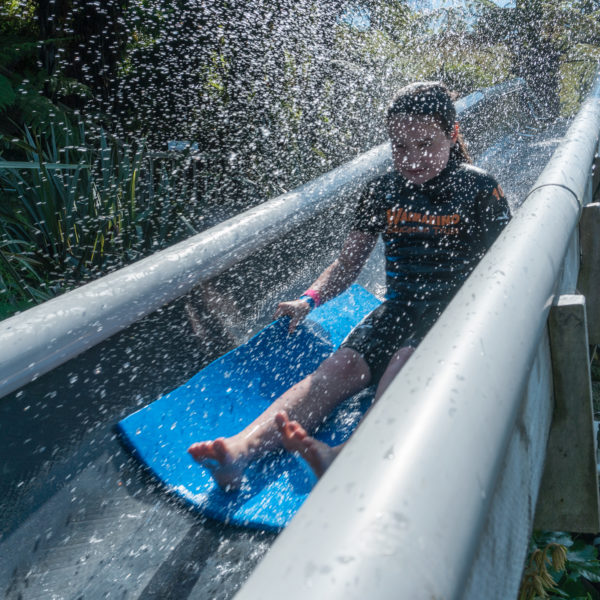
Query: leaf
[(543, 538), (7, 94), (574, 590), (590, 573), (581, 552), (582, 562)]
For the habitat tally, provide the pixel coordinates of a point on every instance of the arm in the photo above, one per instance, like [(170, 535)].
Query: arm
[(335, 278), (338, 276)]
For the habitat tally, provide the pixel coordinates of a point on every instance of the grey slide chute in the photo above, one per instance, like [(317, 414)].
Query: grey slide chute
[(401, 513), (90, 491)]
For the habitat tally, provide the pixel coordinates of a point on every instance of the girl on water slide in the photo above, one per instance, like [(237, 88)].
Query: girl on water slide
[(438, 215)]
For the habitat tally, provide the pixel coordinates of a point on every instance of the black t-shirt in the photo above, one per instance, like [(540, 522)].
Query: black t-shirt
[(434, 233)]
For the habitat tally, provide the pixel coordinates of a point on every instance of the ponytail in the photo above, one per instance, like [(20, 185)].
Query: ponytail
[(459, 151)]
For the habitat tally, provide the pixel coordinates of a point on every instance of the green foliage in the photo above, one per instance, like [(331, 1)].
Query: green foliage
[(560, 566), (542, 36), (17, 17), (7, 94), (18, 51), (30, 96), (73, 212), (578, 69), (54, 58), (268, 110)]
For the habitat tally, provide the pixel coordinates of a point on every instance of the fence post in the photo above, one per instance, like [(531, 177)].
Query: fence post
[(589, 275), (568, 499)]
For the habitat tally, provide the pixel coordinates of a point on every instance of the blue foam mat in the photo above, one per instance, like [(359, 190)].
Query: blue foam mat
[(231, 392)]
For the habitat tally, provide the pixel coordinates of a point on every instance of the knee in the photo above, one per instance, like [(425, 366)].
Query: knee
[(397, 361), (345, 364), (399, 358)]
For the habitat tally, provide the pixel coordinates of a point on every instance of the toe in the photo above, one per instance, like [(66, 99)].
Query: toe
[(198, 449), (281, 419), (220, 450), (291, 428), (298, 434)]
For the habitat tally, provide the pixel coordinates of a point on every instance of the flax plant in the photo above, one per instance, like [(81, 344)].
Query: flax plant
[(75, 210)]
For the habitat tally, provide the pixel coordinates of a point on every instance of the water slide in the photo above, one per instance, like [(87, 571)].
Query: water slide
[(80, 519)]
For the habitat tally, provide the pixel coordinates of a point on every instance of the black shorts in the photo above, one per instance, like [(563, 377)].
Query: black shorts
[(391, 326)]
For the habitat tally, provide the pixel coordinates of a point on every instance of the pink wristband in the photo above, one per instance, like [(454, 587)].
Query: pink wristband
[(314, 295)]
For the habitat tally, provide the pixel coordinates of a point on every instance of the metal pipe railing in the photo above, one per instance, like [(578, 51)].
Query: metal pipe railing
[(43, 337), (400, 513)]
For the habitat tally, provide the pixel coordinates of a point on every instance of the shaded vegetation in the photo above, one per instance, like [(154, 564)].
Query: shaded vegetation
[(75, 210), (272, 94), (561, 565), (543, 37)]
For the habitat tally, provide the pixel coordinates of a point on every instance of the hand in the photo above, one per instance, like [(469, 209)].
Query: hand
[(295, 309)]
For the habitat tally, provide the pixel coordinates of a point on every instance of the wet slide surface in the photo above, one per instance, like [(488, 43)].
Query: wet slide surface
[(79, 518)]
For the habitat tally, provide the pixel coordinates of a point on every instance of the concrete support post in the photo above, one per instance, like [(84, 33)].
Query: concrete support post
[(569, 499), (589, 274)]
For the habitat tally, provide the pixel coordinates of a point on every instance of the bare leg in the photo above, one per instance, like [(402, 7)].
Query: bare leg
[(394, 367), (341, 375), (316, 453)]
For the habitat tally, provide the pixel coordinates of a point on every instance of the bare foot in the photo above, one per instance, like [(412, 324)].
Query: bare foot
[(223, 459), (295, 439)]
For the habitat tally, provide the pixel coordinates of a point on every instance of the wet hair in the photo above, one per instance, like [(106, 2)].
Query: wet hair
[(430, 98)]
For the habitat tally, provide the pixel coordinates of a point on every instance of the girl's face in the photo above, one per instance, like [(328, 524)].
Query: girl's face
[(420, 147)]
